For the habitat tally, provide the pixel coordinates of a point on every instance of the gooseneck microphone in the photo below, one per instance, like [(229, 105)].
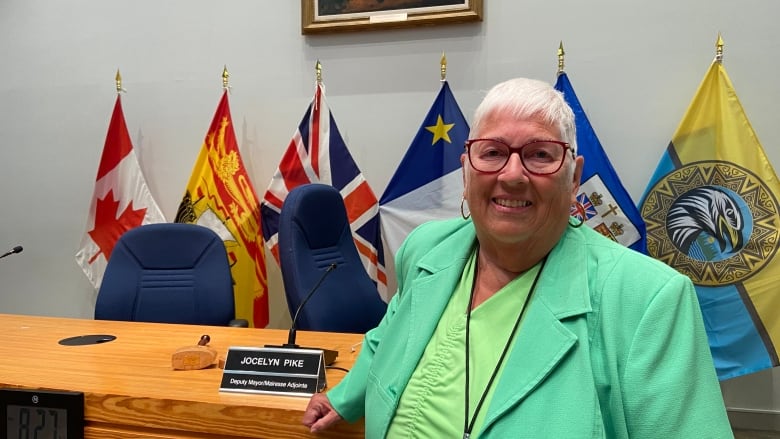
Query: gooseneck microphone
[(330, 355), (292, 335), (17, 249)]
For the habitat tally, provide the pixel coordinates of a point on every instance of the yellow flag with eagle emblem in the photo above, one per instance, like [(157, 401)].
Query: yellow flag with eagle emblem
[(220, 196), (711, 211)]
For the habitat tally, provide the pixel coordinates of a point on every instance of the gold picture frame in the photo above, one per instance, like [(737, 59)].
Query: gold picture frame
[(322, 16)]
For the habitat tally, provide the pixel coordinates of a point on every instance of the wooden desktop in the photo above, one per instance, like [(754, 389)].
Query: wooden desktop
[(132, 392)]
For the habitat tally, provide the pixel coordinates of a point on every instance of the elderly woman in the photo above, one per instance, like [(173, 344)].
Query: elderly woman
[(514, 322)]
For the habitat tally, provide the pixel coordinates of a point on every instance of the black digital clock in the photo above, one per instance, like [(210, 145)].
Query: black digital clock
[(41, 414)]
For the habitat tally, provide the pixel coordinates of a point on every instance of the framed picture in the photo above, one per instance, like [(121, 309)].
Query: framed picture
[(318, 16)]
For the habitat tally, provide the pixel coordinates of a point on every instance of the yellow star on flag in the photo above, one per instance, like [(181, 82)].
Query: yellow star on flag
[(440, 130)]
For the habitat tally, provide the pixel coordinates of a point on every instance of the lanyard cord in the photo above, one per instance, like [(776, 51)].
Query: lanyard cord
[(469, 425)]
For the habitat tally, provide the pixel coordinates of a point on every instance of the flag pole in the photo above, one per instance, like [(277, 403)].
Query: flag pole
[(561, 54), (443, 66), (719, 50), (318, 71)]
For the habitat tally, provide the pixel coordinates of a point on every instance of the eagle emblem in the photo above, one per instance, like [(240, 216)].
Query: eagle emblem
[(703, 216), (714, 221)]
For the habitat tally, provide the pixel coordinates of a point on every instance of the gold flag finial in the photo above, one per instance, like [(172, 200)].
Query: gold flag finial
[(561, 53), (118, 79), (225, 78), (443, 64), (719, 49), (318, 71)]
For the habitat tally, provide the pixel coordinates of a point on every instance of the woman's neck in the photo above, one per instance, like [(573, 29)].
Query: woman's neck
[(513, 258), (499, 266)]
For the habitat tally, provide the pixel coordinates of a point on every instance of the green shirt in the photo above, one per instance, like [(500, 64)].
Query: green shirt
[(432, 405)]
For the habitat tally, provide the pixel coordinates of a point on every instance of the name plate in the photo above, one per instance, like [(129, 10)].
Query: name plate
[(278, 371)]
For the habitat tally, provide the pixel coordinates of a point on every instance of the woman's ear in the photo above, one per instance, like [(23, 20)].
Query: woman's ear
[(579, 163), (463, 159)]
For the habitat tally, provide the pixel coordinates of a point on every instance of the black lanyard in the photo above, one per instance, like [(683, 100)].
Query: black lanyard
[(469, 425)]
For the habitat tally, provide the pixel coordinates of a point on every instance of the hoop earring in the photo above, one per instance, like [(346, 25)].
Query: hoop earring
[(576, 225), (462, 212)]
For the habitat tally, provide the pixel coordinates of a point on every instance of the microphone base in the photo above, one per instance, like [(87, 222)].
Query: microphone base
[(328, 355)]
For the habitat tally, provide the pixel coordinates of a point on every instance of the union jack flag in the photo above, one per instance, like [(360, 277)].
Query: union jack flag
[(583, 209), (318, 154)]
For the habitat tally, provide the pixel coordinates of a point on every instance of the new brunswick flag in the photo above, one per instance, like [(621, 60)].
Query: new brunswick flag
[(220, 197), (711, 211)]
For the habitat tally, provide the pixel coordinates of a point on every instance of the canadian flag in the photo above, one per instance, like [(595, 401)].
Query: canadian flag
[(120, 202)]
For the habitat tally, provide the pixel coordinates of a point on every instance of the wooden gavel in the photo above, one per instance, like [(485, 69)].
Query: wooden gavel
[(194, 357)]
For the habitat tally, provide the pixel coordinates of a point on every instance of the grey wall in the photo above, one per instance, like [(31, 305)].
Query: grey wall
[(634, 65)]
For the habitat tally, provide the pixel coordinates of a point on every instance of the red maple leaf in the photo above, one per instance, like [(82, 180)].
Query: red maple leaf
[(109, 227)]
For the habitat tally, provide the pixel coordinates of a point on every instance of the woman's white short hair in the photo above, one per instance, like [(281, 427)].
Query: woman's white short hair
[(524, 98)]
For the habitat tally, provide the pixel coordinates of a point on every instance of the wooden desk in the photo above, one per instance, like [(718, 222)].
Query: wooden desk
[(131, 391)]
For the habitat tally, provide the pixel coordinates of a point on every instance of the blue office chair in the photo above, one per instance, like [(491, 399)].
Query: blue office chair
[(168, 273), (314, 233)]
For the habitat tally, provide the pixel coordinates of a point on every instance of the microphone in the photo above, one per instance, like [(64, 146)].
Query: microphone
[(291, 336), (330, 355), (17, 249)]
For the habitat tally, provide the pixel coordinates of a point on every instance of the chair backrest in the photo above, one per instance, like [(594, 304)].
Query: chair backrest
[(169, 273), (314, 233)]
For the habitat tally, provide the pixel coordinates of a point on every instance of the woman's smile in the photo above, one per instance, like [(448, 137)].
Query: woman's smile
[(503, 202)]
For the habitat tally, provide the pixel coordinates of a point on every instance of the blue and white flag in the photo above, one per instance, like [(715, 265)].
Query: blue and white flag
[(427, 184), (602, 202)]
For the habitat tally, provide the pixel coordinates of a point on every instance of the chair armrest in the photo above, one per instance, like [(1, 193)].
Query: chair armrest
[(240, 323)]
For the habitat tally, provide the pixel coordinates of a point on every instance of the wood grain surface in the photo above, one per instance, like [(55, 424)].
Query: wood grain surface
[(132, 391)]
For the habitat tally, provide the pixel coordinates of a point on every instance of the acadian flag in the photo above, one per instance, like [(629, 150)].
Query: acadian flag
[(317, 154), (711, 211), (121, 199), (602, 203), (220, 196), (427, 184)]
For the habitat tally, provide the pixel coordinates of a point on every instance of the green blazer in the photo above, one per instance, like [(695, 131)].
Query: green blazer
[(612, 345)]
